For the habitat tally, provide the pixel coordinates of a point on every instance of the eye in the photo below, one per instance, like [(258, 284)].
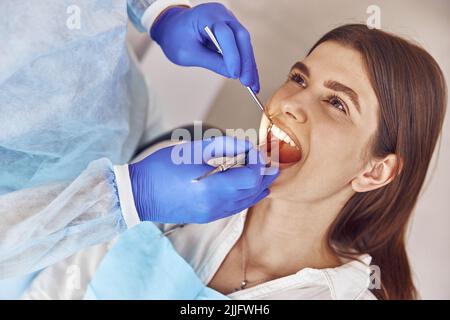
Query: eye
[(336, 102), (296, 77)]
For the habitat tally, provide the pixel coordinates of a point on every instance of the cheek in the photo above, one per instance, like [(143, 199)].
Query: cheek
[(332, 162), (334, 147)]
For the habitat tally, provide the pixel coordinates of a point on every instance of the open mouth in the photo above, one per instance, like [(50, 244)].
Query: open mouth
[(289, 150)]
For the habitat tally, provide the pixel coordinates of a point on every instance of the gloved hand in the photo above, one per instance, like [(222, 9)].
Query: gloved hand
[(180, 33), (164, 191)]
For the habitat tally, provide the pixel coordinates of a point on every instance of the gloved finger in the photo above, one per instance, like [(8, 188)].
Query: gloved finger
[(246, 181), (265, 183), (254, 171), (227, 42), (249, 73), (240, 179), (241, 205), (224, 146), (268, 180), (257, 160), (247, 203), (257, 176), (209, 59)]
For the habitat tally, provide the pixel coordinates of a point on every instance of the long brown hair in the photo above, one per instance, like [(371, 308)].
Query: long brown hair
[(412, 97)]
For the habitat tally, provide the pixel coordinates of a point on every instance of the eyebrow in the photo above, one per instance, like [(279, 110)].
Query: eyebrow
[(332, 85), (302, 67)]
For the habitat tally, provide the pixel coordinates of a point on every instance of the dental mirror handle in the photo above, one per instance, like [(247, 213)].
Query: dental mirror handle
[(250, 90), (237, 160)]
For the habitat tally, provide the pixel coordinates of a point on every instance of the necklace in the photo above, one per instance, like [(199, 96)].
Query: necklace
[(245, 282)]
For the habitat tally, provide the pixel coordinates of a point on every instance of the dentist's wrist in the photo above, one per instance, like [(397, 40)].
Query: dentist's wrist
[(158, 8), (126, 198), (166, 10)]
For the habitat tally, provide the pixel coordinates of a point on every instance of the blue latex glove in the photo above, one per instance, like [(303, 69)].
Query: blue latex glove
[(180, 33), (165, 192)]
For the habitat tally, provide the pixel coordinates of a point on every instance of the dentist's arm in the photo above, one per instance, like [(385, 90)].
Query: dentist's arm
[(42, 225), (179, 30)]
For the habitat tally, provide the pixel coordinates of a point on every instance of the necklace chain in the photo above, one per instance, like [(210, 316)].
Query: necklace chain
[(245, 282)]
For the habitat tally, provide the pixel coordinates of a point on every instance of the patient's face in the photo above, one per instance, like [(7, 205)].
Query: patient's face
[(318, 108)]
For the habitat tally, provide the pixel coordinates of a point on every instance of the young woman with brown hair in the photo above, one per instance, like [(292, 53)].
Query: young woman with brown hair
[(366, 109)]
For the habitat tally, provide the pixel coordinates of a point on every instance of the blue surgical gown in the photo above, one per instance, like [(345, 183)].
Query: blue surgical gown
[(72, 104), (143, 265)]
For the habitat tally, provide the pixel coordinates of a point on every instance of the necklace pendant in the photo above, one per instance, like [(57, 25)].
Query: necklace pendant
[(244, 284)]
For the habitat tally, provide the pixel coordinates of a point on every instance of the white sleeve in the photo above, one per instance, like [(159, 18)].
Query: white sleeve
[(125, 191), (42, 225), (152, 12), (143, 13)]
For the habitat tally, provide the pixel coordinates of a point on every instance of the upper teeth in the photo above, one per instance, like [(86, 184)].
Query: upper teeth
[(280, 134)]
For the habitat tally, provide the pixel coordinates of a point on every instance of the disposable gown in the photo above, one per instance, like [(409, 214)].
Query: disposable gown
[(73, 104)]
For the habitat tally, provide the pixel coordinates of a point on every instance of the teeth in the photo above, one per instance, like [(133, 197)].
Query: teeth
[(280, 134)]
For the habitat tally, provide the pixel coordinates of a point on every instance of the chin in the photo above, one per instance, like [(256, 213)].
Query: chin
[(285, 180)]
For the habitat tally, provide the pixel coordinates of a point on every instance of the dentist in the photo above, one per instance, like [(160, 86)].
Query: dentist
[(73, 106)]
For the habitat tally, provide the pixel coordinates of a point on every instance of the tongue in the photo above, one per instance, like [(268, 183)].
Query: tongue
[(287, 153)]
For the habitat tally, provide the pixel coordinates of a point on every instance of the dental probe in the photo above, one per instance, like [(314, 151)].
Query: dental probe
[(172, 230), (230, 163), (250, 90)]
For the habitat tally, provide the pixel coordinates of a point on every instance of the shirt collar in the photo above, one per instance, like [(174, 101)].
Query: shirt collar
[(346, 282), (349, 280)]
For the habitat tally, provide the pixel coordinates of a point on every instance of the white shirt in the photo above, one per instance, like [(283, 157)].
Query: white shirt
[(205, 247)]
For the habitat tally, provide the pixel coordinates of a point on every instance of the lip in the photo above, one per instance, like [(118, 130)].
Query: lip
[(283, 165)]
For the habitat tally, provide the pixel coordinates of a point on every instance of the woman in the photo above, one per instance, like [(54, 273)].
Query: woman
[(363, 113)]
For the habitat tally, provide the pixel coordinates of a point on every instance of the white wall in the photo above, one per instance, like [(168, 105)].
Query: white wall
[(282, 32)]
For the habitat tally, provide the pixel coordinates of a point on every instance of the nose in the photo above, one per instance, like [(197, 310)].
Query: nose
[(293, 109)]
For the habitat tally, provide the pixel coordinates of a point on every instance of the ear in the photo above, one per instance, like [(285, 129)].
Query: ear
[(377, 174)]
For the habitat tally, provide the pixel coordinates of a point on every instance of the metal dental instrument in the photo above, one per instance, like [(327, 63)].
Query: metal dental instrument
[(250, 90), (172, 230), (230, 163), (240, 158)]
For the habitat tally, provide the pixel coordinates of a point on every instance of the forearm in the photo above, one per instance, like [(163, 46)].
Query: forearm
[(43, 225)]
